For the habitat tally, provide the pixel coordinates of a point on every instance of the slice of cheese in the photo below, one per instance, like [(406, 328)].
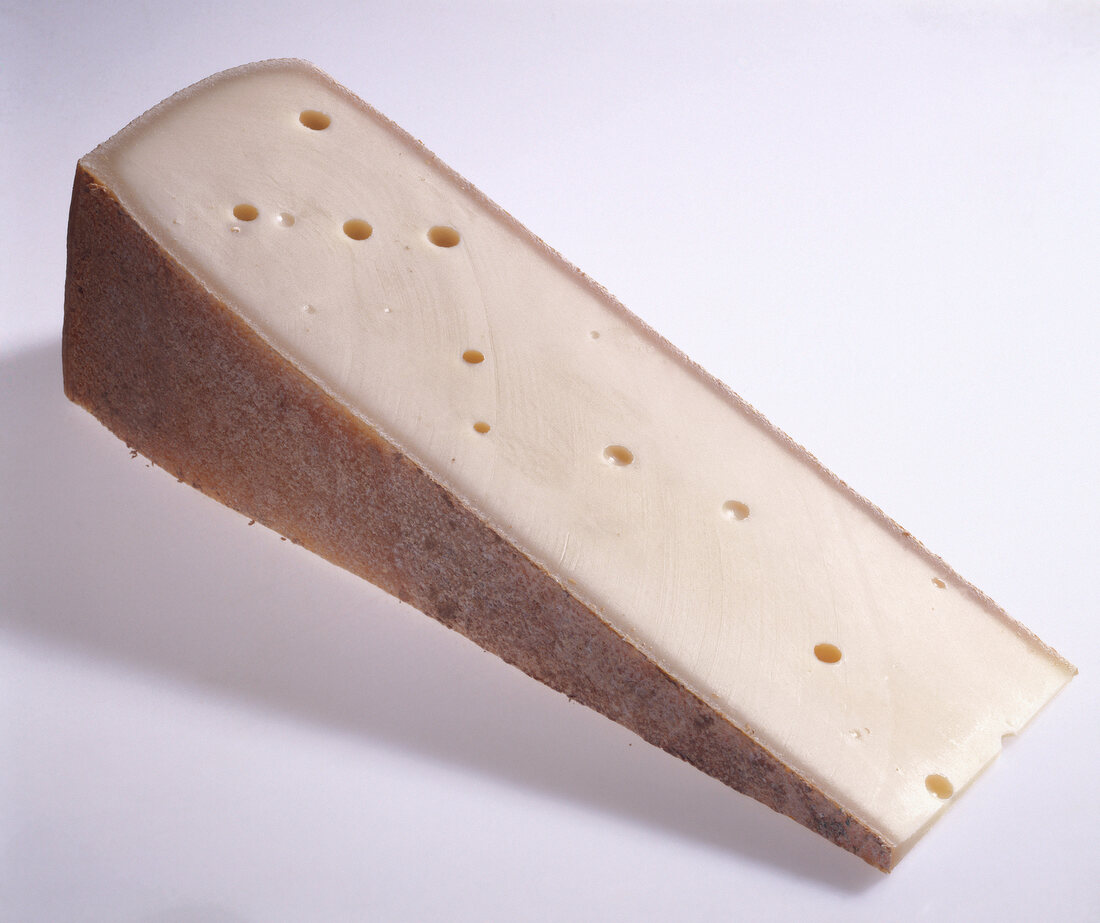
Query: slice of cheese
[(281, 297)]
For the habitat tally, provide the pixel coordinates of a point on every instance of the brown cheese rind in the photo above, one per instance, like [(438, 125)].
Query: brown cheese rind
[(175, 373)]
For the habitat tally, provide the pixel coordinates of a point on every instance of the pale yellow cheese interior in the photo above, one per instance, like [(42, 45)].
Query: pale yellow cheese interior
[(692, 527)]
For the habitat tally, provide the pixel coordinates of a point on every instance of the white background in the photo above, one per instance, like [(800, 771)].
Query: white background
[(881, 225)]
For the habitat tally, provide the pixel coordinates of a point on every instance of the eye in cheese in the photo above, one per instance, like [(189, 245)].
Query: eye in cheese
[(282, 298)]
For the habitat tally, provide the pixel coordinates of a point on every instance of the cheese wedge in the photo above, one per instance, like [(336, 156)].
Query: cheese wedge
[(282, 298)]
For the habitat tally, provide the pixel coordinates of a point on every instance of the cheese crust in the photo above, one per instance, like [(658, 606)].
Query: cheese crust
[(168, 368)]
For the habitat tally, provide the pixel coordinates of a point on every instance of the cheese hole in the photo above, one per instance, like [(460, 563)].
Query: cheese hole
[(481, 427), (443, 236), (939, 786), (473, 356), (244, 212), (357, 229), (735, 509), (938, 582), (285, 219), (618, 455), (827, 653), (311, 118)]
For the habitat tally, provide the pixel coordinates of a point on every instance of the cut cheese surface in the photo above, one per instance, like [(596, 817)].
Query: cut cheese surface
[(698, 532)]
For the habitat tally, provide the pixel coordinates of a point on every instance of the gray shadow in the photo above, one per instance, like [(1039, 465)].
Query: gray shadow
[(101, 553)]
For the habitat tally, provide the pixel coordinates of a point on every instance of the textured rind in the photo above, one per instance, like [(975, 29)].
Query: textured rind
[(176, 374)]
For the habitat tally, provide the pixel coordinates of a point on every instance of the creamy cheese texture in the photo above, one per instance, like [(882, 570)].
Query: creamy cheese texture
[(691, 526)]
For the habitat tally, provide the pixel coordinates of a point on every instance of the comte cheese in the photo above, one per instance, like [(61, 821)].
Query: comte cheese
[(281, 297)]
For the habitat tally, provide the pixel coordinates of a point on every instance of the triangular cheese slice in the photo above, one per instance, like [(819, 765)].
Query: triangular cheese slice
[(284, 299)]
